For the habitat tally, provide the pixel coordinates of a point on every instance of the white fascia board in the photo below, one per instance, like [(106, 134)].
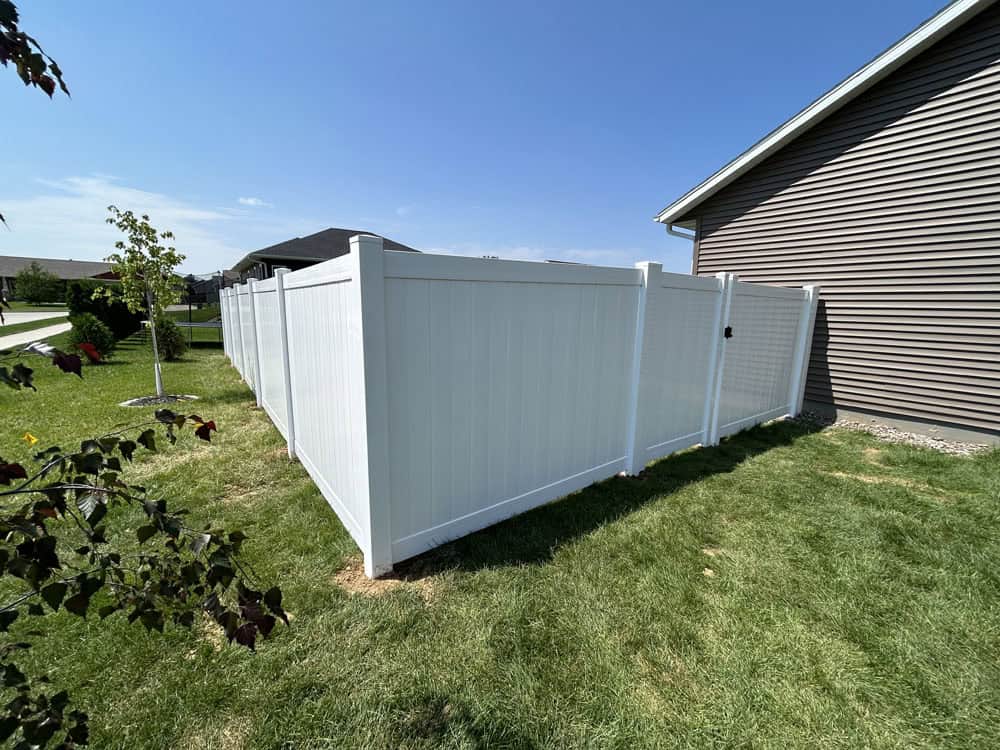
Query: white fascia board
[(931, 31)]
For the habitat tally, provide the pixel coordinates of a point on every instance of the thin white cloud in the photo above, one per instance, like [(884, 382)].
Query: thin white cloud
[(255, 202), (596, 257), (405, 210), (65, 218)]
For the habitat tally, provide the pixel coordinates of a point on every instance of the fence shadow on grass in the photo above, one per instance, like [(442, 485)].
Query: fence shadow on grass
[(534, 537)]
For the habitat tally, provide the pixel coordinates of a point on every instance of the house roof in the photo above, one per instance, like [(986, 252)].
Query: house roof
[(330, 243), (64, 269), (925, 35)]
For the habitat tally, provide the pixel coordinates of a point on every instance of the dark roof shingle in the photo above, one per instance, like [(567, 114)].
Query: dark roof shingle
[(330, 243), (64, 269)]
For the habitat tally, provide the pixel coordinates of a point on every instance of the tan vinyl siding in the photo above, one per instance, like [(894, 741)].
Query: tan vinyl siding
[(892, 204)]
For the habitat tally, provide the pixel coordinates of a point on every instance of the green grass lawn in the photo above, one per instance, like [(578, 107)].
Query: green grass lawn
[(199, 336), (19, 306), (198, 315), (11, 328), (789, 588)]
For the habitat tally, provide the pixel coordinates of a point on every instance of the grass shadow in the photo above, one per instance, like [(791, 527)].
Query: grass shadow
[(534, 537)]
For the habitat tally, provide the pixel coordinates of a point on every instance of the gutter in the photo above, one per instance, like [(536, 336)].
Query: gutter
[(674, 233)]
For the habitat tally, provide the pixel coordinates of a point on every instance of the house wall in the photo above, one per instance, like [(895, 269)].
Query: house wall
[(892, 205)]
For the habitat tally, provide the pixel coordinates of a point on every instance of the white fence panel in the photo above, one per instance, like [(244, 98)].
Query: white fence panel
[(508, 387), (759, 355), (268, 337), (237, 330), (224, 317), (247, 336), (675, 375), (430, 396), (324, 349)]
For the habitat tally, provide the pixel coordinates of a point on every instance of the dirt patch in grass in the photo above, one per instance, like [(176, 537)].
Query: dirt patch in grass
[(239, 494), (212, 633), (352, 579), (230, 733), (712, 551), (871, 479), (708, 573), (165, 461), (895, 481), (278, 453), (872, 455)]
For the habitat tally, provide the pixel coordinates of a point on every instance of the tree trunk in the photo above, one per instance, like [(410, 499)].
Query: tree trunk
[(151, 311)]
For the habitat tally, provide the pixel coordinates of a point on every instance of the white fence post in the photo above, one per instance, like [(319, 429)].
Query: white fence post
[(369, 269), (803, 347), (239, 329), (230, 348), (286, 364), (223, 318), (714, 348), (727, 283), (255, 362), (231, 304), (650, 277), (229, 324)]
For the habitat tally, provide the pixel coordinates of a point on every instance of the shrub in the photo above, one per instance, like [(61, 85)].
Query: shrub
[(169, 340), (35, 285), (113, 313), (87, 329)]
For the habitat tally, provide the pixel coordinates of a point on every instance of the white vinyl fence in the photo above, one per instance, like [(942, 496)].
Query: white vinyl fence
[(429, 396)]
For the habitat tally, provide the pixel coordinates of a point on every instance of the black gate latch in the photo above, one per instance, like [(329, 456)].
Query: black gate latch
[(728, 333)]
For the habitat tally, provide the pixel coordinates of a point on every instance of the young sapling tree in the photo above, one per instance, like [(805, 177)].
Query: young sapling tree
[(146, 268)]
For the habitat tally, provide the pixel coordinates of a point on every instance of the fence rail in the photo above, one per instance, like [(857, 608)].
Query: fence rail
[(430, 396)]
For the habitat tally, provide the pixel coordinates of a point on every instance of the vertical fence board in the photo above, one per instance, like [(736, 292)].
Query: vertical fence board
[(430, 396)]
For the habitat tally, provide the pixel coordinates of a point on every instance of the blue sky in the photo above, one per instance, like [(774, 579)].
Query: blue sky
[(520, 129)]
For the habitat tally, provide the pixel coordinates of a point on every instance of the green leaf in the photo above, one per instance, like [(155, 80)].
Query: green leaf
[(12, 676), (8, 379), (272, 598), (108, 443), (127, 448), (7, 619), (23, 375), (165, 415), (145, 532), (88, 504), (199, 542), (54, 593), (148, 439), (8, 725), (106, 610), (78, 603), (89, 463)]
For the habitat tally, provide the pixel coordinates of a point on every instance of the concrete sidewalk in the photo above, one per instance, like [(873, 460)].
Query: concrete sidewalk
[(13, 318), (20, 339)]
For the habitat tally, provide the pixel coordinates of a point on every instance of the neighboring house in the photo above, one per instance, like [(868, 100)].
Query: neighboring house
[(204, 288), (67, 270), (885, 191), (303, 251)]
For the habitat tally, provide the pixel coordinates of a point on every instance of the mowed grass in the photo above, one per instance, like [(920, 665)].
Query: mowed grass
[(9, 329), (21, 306), (789, 588)]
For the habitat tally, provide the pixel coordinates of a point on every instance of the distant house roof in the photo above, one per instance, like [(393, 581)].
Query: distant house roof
[(64, 269), (330, 243), (929, 32)]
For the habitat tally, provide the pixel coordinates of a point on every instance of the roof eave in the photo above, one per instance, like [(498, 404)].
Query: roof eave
[(893, 58)]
